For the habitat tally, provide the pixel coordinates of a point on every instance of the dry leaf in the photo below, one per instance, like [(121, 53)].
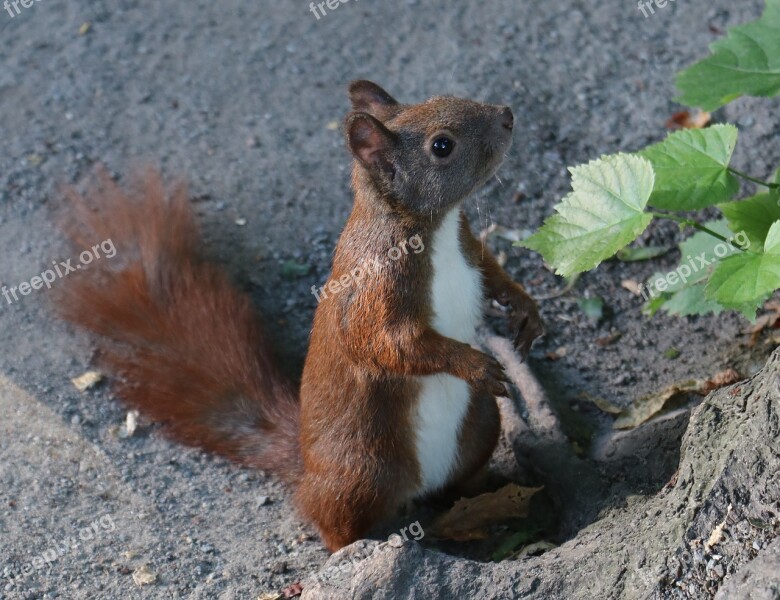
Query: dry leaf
[(144, 576), (332, 126), (766, 322), (719, 380), (85, 27), (717, 534), (648, 406), (608, 340), (557, 354), (632, 286), (536, 548), (603, 405), (470, 518), (87, 380), (686, 120), (271, 596)]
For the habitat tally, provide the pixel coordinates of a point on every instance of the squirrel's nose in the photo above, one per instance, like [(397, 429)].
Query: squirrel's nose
[(507, 119)]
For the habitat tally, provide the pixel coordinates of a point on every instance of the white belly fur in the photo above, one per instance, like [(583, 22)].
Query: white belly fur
[(457, 305)]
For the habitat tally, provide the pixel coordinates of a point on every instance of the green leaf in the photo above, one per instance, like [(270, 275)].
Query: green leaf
[(512, 542), (691, 168), (701, 241), (753, 216), (747, 62), (592, 307), (672, 353), (691, 301), (603, 213), (695, 252), (745, 281), (682, 290), (653, 305), (293, 270), (639, 254)]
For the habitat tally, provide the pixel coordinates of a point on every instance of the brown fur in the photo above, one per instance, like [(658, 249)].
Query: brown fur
[(190, 352), (186, 347)]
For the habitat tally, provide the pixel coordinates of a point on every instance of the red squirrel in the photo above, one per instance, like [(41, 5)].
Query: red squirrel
[(395, 402)]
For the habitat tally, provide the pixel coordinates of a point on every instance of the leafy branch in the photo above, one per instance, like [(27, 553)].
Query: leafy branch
[(729, 264)]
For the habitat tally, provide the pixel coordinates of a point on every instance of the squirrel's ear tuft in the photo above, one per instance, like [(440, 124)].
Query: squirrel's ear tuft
[(371, 142), (368, 97)]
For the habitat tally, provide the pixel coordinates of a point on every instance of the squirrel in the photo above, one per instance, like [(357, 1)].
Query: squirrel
[(395, 402)]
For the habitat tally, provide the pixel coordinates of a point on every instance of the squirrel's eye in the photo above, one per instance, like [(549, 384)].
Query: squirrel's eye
[(442, 147)]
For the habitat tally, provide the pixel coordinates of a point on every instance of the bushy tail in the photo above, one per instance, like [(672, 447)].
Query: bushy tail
[(185, 347)]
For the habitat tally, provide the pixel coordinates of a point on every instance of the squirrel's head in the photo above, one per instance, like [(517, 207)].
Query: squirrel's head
[(426, 157)]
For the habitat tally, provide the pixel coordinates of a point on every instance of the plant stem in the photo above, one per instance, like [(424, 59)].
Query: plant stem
[(771, 186), (696, 225)]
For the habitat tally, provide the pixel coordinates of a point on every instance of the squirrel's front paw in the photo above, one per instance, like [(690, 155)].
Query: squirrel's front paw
[(528, 326), (524, 319), (486, 374)]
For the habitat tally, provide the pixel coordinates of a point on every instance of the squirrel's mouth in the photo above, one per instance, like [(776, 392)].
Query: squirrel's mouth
[(498, 154)]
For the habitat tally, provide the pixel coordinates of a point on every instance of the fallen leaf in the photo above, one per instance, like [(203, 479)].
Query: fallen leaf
[(686, 120), (293, 270), (143, 576), (592, 307), (509, 545), (87, 380), (648, 406), (85, 27), (640, 254), (557, 354), (608, 340), (632, 286), (536, 549), (717, 534), (672, 353), (271, 596), (470, 518), (34, 159), (603, 405), (765, 323), (719, 380), (332, 125)]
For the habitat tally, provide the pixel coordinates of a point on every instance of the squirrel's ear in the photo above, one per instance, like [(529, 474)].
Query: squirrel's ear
[(368, 97), (371, 142)]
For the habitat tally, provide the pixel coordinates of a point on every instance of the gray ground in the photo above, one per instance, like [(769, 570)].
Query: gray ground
[(240, 98)]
